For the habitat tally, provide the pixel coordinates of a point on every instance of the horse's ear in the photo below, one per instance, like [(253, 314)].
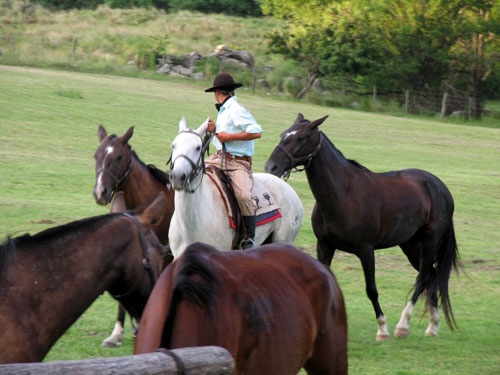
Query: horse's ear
[(202, 130), (101, 133), (300, 118), (317, 122), (154, 212), (182, 124), (128, 134)]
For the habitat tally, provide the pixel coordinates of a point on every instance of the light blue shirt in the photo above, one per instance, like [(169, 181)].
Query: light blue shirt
[(234, 118)]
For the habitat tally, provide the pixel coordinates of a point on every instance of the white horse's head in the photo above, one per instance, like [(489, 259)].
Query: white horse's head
[(187, 155)]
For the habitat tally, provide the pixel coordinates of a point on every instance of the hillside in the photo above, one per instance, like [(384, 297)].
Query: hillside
[(129, 41)]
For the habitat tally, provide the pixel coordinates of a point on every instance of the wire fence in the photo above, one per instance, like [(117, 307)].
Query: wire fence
[(446, 102)]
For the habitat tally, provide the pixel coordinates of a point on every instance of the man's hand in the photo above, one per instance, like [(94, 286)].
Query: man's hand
[(211, 126)]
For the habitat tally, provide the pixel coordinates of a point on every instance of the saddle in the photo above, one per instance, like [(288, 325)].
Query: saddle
[(265, 212)]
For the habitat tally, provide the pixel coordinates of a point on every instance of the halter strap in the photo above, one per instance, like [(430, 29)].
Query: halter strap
[(118, 181), (145, 255), (305, 161), (199, 166)]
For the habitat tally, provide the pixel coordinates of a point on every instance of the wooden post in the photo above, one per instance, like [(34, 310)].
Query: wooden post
[(75, 44), (204, 360), (374, 97), (469, 108), (407, 100), (343, 94), (443, 105)]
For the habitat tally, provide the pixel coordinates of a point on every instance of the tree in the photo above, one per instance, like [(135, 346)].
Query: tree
[(311, 37), (476, 51), (391, 43)]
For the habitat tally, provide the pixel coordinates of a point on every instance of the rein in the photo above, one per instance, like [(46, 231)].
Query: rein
[(145, 256), (305, 161), (199, 166), (181, 369)]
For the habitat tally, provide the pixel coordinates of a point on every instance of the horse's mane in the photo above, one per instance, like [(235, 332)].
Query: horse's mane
[(162, 177), (334, 149), (28, 241), (6, 250), (196, 282)]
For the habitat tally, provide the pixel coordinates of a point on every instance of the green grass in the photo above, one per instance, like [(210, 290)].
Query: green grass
[(48, 134)]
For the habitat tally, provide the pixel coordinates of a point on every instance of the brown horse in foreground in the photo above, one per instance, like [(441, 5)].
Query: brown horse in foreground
[(274, 308), (123, 180), (359, 211), (48, 280)]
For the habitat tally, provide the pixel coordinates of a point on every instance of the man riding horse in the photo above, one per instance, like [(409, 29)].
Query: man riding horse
[(235, 131)]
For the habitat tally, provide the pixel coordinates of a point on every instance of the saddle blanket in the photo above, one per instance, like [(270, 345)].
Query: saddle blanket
[(267, 205)]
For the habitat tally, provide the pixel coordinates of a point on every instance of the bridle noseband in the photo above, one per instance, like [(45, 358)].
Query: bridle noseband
[(198, 167), (303, 160), (118, 181)]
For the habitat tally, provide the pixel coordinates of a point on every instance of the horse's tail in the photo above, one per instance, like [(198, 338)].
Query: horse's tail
[(448, 258), (196, 282)]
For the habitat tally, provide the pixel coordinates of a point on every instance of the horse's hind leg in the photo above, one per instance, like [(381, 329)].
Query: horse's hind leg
[(422, 259), (432, 305)]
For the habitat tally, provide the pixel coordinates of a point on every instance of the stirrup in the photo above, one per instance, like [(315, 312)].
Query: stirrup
[(247, 244)]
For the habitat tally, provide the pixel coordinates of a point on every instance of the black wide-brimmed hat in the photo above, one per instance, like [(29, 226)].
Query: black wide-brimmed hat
[(224, 82)]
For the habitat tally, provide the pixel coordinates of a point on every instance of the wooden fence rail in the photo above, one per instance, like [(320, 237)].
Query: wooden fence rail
[(205, 360)]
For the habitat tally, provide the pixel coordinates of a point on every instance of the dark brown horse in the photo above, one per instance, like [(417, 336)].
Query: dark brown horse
[(123, 180), (48, 280), (274, 308), (359, 211)]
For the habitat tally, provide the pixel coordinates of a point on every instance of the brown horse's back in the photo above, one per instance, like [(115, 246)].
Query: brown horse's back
[(274, 308)]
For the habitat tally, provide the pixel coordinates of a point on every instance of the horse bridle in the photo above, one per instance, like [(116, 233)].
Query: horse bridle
[(145, 256), (199, 166), (303, 160), (118, 181)]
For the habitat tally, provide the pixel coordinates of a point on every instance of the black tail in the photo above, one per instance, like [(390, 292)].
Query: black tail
[(196, 282), (448, 258)]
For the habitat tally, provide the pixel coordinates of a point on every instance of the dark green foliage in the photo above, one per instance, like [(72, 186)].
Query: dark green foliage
[(71, 4), (244, 8), (229, 7), (124, 4)]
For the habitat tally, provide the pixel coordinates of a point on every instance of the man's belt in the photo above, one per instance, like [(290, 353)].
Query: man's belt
[(230, 156)]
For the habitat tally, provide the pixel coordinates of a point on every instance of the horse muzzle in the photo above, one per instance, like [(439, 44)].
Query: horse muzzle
[(274, 168), (178, 181), (102, 196)]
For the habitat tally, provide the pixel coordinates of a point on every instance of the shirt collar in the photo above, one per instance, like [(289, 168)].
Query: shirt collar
[(225, 104)]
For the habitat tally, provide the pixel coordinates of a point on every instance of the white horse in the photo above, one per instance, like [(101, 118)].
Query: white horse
[(200, 212)]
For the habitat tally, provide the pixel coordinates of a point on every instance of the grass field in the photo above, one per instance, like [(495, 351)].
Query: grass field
[(48, 134)]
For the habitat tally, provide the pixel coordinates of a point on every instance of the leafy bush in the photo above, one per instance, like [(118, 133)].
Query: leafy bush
[(229, 7), (71, 4), (244, 8)]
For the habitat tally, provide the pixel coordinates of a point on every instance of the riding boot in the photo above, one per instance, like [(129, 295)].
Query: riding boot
[(248, 243)]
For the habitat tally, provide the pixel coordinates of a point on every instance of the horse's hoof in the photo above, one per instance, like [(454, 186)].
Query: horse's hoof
[(431, 333), (401, 332), (110, 344), (383, 337)]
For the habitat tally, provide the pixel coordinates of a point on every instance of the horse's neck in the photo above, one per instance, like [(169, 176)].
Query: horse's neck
[(140, 187), (85, 284), (327, 173), (193, 202), (200, 216)]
